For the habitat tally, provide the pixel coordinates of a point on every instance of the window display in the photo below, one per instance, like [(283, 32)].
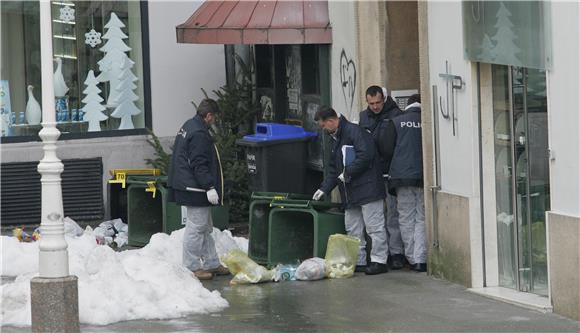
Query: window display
[(98, 67)]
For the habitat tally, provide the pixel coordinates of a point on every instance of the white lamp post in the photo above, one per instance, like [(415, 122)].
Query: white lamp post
[(54, 294), (53, 257)]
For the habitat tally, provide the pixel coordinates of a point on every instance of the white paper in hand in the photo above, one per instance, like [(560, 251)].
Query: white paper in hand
[(348, 155)]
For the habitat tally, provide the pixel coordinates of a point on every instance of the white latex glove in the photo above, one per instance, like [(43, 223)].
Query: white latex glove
[(341, 177), (213, 197), (318, 195)]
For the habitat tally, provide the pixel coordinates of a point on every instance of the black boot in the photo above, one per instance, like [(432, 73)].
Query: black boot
[(420, 267), (397, 261), (360, 268), (376, 268)]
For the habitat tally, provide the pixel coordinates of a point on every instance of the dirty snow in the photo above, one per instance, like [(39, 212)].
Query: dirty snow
[(146, 283)]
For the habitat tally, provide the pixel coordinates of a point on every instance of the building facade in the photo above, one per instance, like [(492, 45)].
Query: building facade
[(162, 79), (500, 83)]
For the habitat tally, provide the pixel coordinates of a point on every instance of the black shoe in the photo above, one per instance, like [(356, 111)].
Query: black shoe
[(360, 268), (397, 261), (422, 267), (376, 268)]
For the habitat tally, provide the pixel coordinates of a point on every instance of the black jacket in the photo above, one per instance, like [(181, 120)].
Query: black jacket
[(363, 176), (382, 130), (407, 165), (195, 165)]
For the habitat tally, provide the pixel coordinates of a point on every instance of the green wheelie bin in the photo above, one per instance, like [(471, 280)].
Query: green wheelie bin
[(292, 218), (150, 212), (299, 229)]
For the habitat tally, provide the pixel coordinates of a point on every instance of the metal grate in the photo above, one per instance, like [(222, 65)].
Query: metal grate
[(82, 191)]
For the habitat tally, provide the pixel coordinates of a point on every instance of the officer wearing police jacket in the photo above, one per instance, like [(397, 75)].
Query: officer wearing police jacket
[(376, 119), (195, 180), (360, 184), (406, 181)]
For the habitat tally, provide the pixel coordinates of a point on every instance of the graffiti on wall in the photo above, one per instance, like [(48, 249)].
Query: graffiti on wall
[(347, 79), (293, 80), (267, 109)]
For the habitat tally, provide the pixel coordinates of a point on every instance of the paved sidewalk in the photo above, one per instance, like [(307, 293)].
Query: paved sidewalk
[(400, 301)]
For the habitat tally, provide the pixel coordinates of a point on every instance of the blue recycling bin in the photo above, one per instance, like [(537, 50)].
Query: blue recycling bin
[(276, 158)]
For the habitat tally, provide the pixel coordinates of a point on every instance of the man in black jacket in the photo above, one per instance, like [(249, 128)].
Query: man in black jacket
[(406, 182), (360, 185), (376, 120), (195, 181)]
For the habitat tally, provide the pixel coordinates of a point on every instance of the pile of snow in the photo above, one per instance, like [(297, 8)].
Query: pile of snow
[(146, 283)]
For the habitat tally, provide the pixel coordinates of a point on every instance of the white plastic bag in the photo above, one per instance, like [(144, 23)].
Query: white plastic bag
[(120, 226), (311, 269), (71, 228), (121, 239)]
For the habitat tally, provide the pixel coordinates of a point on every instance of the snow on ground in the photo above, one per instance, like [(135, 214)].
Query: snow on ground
[(146, 283)]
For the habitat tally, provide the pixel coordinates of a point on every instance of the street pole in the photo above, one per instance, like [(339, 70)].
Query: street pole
[(53, 258), (54, 294)]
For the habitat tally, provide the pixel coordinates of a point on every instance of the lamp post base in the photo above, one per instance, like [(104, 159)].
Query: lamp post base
[(55, 304)]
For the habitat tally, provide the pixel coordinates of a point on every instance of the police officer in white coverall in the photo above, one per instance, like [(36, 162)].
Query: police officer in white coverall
[(406, 182)]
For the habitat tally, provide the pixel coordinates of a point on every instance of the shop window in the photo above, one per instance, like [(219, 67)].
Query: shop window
[(98, 67), (310, 73)]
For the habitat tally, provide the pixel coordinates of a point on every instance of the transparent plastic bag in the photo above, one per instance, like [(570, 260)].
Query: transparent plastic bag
[(311, 269), (285, 273), (341, 256), (244, 269)]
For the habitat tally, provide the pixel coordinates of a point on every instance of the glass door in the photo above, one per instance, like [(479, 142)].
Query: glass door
[(522, 177)]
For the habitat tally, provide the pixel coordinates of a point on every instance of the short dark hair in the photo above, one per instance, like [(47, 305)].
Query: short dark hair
[(206, 106), (374, 90), (325, 113), (415, 98)]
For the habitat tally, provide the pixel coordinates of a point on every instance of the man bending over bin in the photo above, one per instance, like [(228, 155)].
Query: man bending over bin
[(195, 180), (360, 184)]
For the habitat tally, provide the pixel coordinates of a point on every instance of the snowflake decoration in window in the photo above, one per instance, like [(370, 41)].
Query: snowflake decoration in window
[(67, 14), (93, 38)]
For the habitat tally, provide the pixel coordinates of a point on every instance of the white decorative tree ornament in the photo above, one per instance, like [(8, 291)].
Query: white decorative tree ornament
[(60, 87), (114, 49), (93, 38), (505, 48), (487, 51), (92, 103), (67, 14), (126, 107)]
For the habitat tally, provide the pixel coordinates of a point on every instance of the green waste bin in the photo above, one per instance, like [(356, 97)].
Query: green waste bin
[(303, 225), (299, 229), (147, 215), (259, 216)]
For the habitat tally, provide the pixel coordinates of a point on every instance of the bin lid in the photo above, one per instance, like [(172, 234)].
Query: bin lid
[(273, 132)]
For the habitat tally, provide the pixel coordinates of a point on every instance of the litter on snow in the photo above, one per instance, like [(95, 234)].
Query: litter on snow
[(150, 282), (145, 283)]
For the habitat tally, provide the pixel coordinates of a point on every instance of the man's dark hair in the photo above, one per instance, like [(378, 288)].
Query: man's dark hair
[(206, 106), (415, 98), (374, 90), (325, 113)]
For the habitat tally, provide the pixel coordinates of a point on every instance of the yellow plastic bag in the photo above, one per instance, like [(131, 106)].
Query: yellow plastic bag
[(244, 269), (341, 256)]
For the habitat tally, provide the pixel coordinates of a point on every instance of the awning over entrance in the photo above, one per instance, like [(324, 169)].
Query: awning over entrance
[(258, 22)]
